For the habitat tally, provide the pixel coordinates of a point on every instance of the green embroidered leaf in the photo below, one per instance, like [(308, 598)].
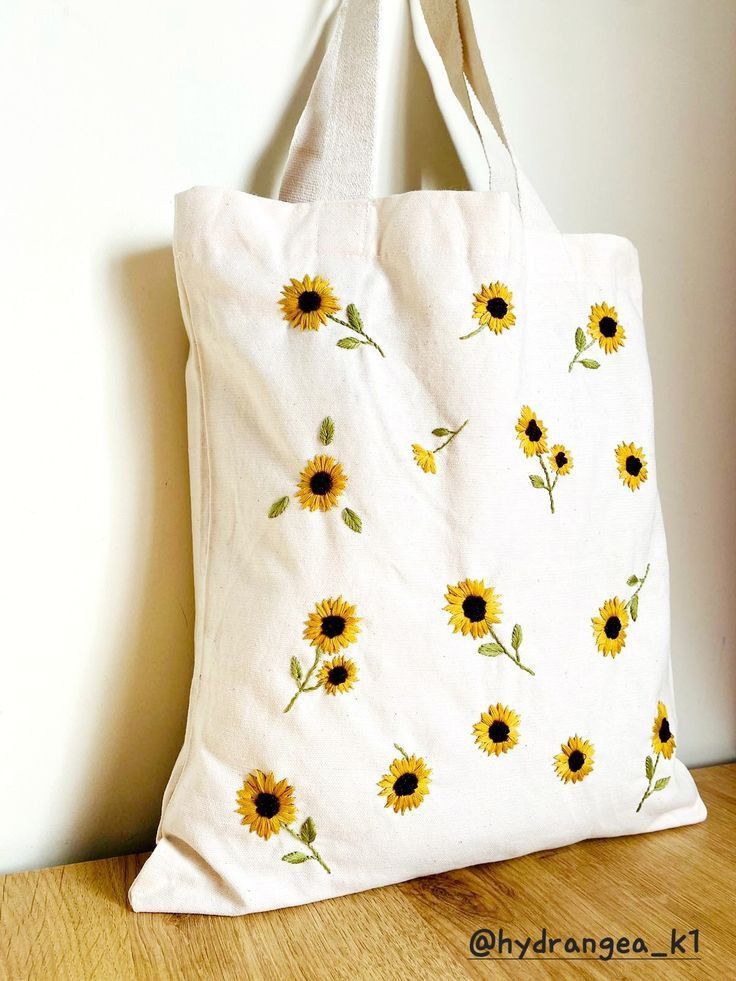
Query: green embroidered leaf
[(649, 767), (348, 343), (308, 832), (632, 580), (295, 858), (516, 636), (661, 783), (296, 669), (536, 481), (587, 363), (352, 520), (326, 431), (634, 607), (580, 338), (354, 320), (491, 650), (441, 431), (278, 507)]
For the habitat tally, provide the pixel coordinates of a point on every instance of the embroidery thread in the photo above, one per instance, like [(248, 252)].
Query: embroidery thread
[(575, 761), (330, 628), (532, 435), (493, 307), (632, 465), (267, 807), (498, 730), (475, 609), (604, 327), (425, 459), (321, 484), (406, 784), (663, 744), (609, 627)]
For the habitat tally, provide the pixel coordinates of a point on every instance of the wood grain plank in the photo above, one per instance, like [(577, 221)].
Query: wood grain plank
[(73, 922)]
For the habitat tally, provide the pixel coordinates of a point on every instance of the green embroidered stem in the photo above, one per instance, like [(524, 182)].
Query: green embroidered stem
[(315, 854), (579, 352), (549, 486), (355, 324), (402, 751), (453, 434), (638, 588), (473, 333), (302, 686), (507, 652), (649, 791)]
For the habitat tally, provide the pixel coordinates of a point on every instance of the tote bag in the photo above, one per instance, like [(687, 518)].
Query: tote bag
[(431, 576)]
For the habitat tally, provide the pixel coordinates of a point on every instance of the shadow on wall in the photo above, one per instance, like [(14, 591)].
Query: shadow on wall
[(139, 723), (138, 727)]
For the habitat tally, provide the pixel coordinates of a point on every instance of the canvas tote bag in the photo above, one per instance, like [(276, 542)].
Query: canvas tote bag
[(431, 577)]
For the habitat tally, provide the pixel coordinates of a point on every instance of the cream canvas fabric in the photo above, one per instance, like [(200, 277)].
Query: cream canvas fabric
[(437, 733)]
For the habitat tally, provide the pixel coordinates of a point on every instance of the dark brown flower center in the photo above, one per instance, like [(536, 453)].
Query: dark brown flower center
[(406, 784), (474, 608), (498, 731), (560, 460), (497, 307), (612, 628), (337, 675), (321, 483), (333, 626), (309, 301), (575, 760), (267, 805), (633, 465), (608, 326), (664, 731), (533, 431)]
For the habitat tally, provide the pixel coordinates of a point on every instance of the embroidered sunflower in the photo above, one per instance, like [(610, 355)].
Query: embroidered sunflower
[(560, 460), (265, 804), (604, 327), (406, 784), (473, 607), (663, 744), (498, 730), (609, 628), (332, 625), (575, 761), (424, 458), (663, 739), (531, 433), (493, 308), (306, 304), (321, 483), (338, 675), (632, 465)]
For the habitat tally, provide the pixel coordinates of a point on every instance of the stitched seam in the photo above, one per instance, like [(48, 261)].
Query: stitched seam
[(200, 615)]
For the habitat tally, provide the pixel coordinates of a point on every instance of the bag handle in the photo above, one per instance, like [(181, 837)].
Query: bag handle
[(332, 154)]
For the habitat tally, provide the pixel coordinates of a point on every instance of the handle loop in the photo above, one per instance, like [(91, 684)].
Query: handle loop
[(332, 153)]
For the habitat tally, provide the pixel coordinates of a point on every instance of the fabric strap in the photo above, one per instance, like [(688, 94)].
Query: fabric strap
[(332, 154)]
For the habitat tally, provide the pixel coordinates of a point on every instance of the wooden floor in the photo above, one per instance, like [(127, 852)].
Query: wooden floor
[(73, 922)]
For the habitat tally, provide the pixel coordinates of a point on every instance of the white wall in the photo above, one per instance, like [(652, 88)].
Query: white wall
[(624, 114)]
